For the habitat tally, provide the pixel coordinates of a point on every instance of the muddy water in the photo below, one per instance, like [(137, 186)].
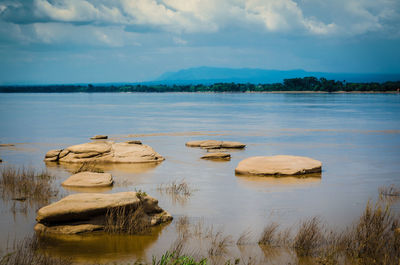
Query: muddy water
[(357, 137)]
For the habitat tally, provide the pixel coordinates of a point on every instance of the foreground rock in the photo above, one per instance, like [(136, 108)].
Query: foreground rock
[(280, 165), (213, 144), (85, 212), (217, 156), (104, 152), (89, 180), (99, 137)]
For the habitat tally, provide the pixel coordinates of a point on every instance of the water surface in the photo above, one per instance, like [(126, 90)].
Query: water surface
[(356, 136)]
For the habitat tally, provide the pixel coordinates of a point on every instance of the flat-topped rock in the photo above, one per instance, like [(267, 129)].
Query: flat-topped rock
[(86, 212), (217, 156), (280, 165), (104, 152), (88, 179), (99, 137), (214, 144)]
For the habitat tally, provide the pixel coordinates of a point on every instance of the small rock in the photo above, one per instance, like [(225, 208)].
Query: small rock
[(99, 137), (133, 142), (89, 180), (1, 160), (6, 145), (21, 199), (217, 156), (280, 165)]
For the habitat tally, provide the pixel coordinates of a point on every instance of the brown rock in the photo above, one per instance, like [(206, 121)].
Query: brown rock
[(99, 137), (280, 165), (89, 180), (217, 156), (105, 152), (213, 144), (7, 145)]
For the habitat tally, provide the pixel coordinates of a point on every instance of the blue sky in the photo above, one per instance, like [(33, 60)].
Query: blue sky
[(81, 41)]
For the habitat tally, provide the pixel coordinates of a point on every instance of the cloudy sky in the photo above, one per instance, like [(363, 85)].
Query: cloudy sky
[(73, 41)]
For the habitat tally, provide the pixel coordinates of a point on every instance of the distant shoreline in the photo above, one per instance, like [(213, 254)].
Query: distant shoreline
[(293, 85)]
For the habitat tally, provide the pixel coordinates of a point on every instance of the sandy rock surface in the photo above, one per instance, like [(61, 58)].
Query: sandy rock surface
[(280, 165), (89, 180), (104, 152)]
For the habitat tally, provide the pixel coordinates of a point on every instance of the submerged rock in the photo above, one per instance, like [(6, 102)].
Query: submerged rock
[(104, 152), (217, 156), (99, 137), (213, 144), (85, 212), (280, 165), (89, 180)]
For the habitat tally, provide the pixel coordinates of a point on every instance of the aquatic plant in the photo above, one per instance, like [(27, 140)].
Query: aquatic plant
[(170, 258), (127, 220), (176, 187), (27, 186), (268, 234)]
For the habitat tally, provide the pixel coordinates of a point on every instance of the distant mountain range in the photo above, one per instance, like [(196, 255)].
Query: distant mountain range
[(209, 75)]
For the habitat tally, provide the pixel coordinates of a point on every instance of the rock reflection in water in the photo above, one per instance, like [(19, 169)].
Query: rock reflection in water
[(100, 247), (280, 183), (135, 168)]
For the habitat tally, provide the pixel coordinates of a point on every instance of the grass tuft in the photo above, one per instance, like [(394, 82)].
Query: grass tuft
[(127, 220)]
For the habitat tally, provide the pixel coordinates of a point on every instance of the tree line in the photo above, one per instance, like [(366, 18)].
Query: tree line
[(293, 84)]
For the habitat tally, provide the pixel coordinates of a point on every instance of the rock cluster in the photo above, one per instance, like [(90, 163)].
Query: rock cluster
[(86, 212), (280, 165), (213, 144), (104, 152)]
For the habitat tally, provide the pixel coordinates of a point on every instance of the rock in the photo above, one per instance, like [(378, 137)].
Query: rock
[(99, 137), (1, 160), (67, 229), (6, 145), (217, 156), (280, 165), (52, 155), (86, 212), (88, 179), (104, 152), (213, 144), (133, 142)]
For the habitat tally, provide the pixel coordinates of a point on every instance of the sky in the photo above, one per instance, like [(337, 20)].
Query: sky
[(100, 41)]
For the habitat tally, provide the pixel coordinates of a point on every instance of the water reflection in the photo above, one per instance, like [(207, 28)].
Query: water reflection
[(266, 183), (100, 247), (135, 168)]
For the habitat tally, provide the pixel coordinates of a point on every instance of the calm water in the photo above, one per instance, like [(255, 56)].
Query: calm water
[(357, 138)]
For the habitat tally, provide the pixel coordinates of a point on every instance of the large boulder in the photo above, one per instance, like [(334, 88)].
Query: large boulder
[(85, 212), (280, 165), (217, 156), (105, 152), (88, 179), (214, 144)]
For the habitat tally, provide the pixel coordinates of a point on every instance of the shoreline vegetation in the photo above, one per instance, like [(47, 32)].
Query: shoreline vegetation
[(293, 85)]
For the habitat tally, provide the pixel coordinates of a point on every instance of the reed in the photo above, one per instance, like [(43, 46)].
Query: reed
[(127, 220), (27, 185)]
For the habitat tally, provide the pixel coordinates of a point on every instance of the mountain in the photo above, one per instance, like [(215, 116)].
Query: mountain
[(208, 75)]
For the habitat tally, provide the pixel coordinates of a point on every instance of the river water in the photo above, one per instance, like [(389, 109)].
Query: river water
[(356, 136)]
